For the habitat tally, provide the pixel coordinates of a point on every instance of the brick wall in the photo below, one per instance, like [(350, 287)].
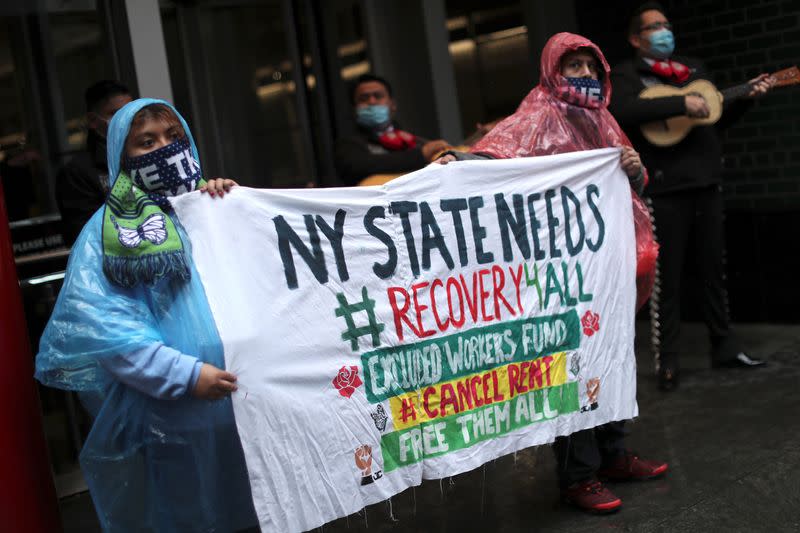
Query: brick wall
[(738, 40)]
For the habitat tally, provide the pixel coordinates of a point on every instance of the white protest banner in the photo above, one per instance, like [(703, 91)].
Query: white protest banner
[(385, 335)]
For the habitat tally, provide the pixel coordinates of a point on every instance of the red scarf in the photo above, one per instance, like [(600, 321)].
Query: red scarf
[(394, 140), (671, 70)]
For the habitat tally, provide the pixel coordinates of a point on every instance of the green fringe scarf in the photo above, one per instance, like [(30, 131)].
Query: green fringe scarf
[(140, 241)]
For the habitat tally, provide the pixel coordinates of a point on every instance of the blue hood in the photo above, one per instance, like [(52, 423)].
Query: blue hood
[(120, 125)]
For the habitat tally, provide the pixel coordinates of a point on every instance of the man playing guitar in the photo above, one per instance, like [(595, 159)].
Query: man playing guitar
[(685, 186)]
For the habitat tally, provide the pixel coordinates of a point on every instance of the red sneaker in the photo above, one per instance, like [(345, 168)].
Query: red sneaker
[(591, 496), (629, 467)]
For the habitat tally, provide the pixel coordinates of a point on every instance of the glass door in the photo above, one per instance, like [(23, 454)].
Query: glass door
[(238, 75)]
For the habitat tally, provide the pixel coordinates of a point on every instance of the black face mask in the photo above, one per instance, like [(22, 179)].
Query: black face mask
[(168, 171)]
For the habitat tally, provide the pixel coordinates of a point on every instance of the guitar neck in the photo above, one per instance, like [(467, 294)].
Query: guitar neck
[(737, 91), (782, 78)]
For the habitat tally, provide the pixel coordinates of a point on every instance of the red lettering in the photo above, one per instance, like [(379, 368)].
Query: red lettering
[(498, 281), (451, 282), (498, 396), (408, 321), (407, 410), (441, 325), (536, 374), (448, 398), (464, 395), (486, 398), (431, 414), (513, 379), (517, 284), (524, 368), (484, 295), (548, 360), (400, 313), (472, 301), (473, 383), (419, 309)]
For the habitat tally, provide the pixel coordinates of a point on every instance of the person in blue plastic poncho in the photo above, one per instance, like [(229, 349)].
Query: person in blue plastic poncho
[(133, 333)]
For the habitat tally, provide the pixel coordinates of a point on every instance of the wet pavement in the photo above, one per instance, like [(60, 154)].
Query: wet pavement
[(731, 437)]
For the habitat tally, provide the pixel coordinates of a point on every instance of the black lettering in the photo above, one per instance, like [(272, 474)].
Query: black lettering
[(538, 253), (335, 236), (517, 226), (432, 238), (386, 269), (552, 222), (478, 231), (568, 196), (601, 225), (403, 209), (314, 258), (455, 206)]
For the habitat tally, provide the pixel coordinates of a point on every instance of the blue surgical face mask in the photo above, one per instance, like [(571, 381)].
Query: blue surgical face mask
[(662, 43), (373, 116)]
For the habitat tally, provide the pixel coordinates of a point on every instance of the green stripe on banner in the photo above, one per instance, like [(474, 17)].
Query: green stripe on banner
[(393, 371), (456, 432)]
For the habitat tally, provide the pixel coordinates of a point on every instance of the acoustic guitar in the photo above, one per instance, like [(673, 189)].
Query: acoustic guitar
[(381, 179), (673, 130)]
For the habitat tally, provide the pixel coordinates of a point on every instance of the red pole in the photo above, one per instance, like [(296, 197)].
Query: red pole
[(28, 501)]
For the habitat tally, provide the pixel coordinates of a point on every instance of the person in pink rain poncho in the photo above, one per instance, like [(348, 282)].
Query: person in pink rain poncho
[(568, 112)]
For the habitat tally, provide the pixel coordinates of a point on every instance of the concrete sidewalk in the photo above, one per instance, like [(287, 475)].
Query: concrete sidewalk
[(732, 438)]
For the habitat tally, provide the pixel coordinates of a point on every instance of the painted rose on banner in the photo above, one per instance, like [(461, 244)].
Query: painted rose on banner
[(590, 323), (347, 380)]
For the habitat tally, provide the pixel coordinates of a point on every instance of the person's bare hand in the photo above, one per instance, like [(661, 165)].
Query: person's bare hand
[(432, 148), (630, 161), (214, 383), (761, 84), (447, 158), (696, 106), (218, 186)]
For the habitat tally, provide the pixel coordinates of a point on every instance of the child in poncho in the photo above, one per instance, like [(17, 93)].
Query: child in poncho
[(132, 332)]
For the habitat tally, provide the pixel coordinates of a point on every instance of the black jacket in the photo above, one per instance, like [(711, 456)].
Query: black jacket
[(696, 161), (360, 155), (82, 187)]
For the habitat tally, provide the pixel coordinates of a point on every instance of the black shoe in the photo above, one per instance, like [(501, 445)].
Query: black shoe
[(667, 378), (668, 371), (740, 360)]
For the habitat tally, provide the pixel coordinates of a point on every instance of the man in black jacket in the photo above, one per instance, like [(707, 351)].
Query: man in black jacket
[(685, 187), (380, 146), (82, 184)]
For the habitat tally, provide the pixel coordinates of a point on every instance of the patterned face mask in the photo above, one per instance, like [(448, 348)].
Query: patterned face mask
[(584, 92), (168, 171)]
